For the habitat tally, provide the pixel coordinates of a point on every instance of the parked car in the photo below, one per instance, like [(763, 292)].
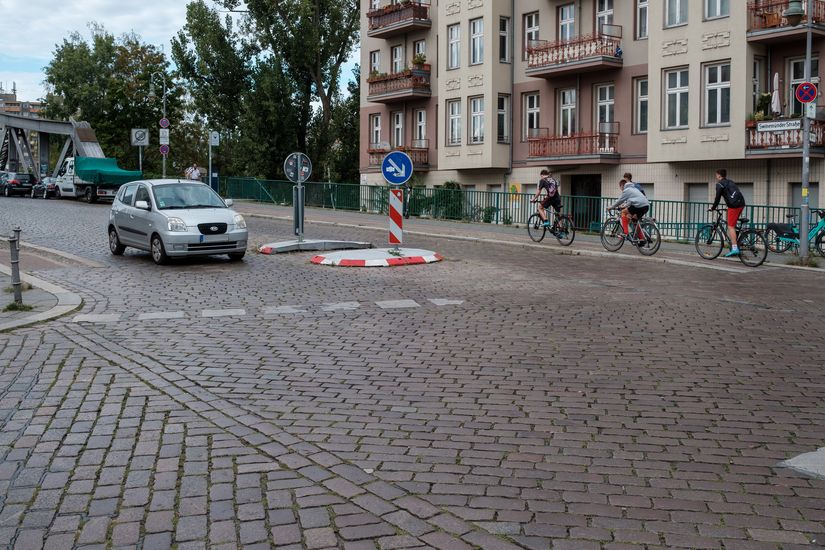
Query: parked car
[(175, 218), (17, 183), (47, 187)]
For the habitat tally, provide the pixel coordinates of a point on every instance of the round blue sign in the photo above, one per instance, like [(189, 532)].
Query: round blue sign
[(806, 92), (397, 168)]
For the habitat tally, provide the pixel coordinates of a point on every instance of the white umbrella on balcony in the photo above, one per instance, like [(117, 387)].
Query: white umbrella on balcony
[(776, 102)]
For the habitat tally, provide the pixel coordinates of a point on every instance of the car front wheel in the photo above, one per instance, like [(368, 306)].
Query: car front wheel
[(236, 256), (158, 251)]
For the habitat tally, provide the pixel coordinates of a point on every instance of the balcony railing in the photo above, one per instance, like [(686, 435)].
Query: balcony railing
[(767, 14), (542, 55), (399, 86), (419, 153), (393, 18), (765, 138), (543, 145)]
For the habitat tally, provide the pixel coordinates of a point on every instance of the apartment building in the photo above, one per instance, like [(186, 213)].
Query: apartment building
[(669, 90)]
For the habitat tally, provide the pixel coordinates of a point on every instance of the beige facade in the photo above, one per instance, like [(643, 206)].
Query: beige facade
[(665, 89)]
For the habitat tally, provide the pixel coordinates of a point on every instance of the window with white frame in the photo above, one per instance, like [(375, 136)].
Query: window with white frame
[(375, 61), (641, 19), (758, 78), (503, 119), (420, 127), (419, 47), (676, 12), (532, 113), (605, 103), (797, 70), (641, 105), (504, 39), (375, 130), (476, 120), (454, 122), (604, 13), (476, 41), (716, 8), (531, 30), (397, 129), (717, 94), (397, 59), (676, 98), (567, 112), (374, 4), (567, 22), (453, 46)]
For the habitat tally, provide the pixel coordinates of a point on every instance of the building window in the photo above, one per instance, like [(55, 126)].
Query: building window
[(717, 94), (375, 131), (567, 22), (397, 59), (716, 8), (454, 125), (797, 78), (375, 61), (419, 47), (420, 127), (476, 120), (604, 14), (476, 41), (676, 12), (758, 64), (676, 102), (374, 4), (397, 129), (531, 30), (453, 46), (641, 106), (567, 112), (532, 113), (605, 102), (503, 119), (504, 39), (641, 19)]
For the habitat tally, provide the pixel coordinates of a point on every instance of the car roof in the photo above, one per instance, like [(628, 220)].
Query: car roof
[(157, 182)]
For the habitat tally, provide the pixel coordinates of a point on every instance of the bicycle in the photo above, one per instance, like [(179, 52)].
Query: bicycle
[(562, 228), (780, 237), (711, 239), (613, 237)]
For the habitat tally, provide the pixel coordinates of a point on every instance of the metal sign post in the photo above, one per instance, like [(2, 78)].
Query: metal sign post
[(214, 140), (140, 139), (14, 248), (298, 168), (397, 169)]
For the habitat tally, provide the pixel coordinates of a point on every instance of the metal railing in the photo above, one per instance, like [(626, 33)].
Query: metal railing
[(767, 14), (393, 14), (407, 79), (785, 139), (676, 219), (542, 145), (542, 54)]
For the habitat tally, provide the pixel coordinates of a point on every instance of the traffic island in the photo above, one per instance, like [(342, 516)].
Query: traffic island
[(378, 257), (310, 246)]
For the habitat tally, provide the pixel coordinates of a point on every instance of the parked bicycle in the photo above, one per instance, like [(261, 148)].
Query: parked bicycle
[(781, 237), (711, 239), (562, 228), (642, 233)]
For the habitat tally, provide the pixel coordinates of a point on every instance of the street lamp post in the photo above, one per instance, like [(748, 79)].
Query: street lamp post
[(152, 94)]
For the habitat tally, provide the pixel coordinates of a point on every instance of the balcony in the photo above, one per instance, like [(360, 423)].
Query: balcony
[(419, 153), (767, 25), (783, 139), (407, 85), (398, 18), (592, 52), (597, 147)]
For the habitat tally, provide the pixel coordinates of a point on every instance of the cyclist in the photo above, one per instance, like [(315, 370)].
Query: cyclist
[(735, 202), (550, 187), (635, 205), (629, 178)]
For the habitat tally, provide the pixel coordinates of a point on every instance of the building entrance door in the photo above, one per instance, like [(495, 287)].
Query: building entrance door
[(585, 203)]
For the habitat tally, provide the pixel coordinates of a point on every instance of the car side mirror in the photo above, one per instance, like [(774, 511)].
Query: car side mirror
[(142, 205), (229, 202)]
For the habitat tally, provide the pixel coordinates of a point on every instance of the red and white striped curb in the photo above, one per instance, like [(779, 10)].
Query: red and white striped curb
[(383, 262)]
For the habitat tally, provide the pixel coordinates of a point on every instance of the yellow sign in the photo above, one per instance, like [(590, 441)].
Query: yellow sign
[(804, 192), (515, 188)]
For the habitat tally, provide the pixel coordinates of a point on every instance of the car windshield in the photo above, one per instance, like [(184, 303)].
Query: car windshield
[(22, 177), (186, 195)]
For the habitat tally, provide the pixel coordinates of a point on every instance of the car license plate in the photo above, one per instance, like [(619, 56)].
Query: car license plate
[(214, 238)]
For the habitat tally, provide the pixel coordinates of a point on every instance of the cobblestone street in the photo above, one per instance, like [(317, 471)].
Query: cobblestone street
[(518, 399)]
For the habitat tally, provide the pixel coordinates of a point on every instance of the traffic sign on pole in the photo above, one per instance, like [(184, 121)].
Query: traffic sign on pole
[(164, 122), (163, 138), (164, 150), (396, 218), (806, 92), (397, 168), (140, 137), (297, 168)]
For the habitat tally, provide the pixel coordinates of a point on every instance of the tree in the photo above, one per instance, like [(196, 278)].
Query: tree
[(345, 155)]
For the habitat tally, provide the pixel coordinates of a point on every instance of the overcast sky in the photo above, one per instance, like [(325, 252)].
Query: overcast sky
[(30, 29)]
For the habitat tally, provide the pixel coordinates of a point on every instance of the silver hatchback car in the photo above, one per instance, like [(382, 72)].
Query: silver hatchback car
[(175, 218)]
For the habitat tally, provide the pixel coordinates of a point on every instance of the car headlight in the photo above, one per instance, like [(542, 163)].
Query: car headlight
[(176, 224), (240, 223)]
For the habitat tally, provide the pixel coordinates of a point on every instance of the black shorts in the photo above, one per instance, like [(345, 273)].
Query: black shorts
[(554, 201), (637, 211)]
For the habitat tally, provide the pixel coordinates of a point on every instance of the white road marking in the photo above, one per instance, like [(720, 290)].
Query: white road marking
[(223, 312), (97, 318), (446, 302), (397, 304), (346, 306), (277, 310), (161, 315), (811, 464)]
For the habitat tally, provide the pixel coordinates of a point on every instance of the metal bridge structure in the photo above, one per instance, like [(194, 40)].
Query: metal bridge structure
[(18, 132)]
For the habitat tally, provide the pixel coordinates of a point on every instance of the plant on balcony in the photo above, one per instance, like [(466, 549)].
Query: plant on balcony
[(418, 60)]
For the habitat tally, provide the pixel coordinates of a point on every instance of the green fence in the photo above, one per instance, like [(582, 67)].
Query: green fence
[(676, 219)]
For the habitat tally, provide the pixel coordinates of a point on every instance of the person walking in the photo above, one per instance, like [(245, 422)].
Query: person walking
[(193, 172), (735, 202)]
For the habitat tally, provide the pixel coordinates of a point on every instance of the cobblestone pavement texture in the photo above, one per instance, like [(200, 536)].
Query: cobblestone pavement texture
[(565, 402)]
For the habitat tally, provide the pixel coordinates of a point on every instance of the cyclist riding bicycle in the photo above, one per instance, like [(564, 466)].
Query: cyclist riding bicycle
[(635, 205), (550, 188), (735, 202)]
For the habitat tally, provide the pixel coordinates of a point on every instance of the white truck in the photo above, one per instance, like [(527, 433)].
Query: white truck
[(92, 178)]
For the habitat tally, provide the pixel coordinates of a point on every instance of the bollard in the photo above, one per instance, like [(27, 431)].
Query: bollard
[(14, 248)]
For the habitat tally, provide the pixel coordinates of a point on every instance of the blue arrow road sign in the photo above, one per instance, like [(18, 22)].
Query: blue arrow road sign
[(397, 168)]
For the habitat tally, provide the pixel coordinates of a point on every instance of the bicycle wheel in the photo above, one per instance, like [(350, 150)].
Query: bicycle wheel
[(752, 248), (773, 242), (653, 239), (535, 228), (820, 243), (612, 235), (565, 232), (709, 242)]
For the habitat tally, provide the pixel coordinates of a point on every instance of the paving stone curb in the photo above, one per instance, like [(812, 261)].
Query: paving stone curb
[(67, 301)]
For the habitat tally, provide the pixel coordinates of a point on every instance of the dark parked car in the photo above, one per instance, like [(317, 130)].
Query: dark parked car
[(16, 183), (47, 187)]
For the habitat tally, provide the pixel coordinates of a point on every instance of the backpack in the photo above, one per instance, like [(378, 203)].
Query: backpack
[(733, 196)]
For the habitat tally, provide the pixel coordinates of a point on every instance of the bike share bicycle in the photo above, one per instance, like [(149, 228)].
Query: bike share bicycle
[(781, 237), (711, 239), (613, 237)]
